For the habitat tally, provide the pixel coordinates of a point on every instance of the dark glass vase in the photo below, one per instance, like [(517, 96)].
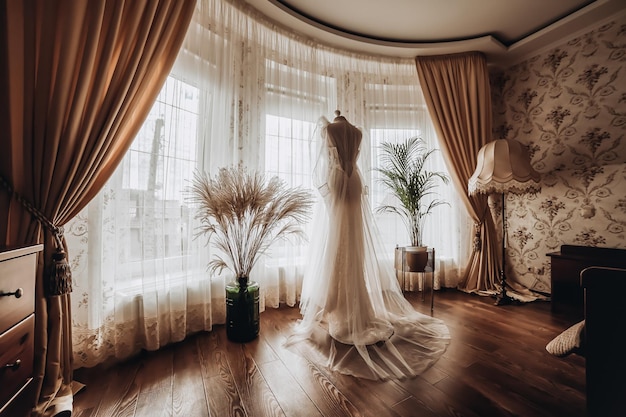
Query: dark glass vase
[(242, 310)]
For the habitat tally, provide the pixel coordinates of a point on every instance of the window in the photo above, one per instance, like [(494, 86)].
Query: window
[(288, 149), (138, 232), (155, 171)]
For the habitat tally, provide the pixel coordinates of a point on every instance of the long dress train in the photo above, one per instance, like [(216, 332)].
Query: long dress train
[(355, 319)]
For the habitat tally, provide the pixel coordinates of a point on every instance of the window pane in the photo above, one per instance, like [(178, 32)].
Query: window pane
[(155, 173)]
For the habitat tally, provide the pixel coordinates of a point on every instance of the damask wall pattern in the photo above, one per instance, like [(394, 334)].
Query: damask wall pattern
[(568, 106)]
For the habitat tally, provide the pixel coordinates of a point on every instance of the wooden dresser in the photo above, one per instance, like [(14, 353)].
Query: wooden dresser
[(567, 264), (18, 267)]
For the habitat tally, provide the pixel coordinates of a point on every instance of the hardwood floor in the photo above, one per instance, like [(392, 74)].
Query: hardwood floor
[(496, 365)]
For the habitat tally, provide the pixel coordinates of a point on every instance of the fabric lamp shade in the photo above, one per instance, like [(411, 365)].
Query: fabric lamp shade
[(503, 166)]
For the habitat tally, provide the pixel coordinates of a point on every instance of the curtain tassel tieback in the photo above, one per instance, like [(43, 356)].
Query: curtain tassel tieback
[(59, 274)]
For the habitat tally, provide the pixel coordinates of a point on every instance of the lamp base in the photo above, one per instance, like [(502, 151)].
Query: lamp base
[(503, 299)]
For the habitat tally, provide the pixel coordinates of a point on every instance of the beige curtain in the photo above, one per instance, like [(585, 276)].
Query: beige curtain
[(457, 93), (77, 79)]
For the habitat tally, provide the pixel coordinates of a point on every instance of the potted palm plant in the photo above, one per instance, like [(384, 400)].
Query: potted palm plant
[(242, 214), (403, 171)]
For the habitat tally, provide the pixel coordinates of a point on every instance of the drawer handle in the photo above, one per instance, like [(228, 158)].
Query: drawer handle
[(17, 293), (15, 365)]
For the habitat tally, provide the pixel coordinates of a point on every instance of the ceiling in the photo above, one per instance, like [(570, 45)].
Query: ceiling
[(505, 30)]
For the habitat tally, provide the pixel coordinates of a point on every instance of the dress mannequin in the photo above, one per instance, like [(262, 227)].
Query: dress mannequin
[(355, 318)]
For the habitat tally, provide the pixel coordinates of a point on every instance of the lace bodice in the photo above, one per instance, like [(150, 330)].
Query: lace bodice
[(344, 141)]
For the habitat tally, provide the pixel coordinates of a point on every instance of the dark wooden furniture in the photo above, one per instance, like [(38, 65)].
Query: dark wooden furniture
[(605, 322), (17, 325), (567, 293)]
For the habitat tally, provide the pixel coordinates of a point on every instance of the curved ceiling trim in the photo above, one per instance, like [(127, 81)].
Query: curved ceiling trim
[(495, 50)]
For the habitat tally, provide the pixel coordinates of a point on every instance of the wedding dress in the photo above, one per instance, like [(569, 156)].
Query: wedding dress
[(355, 319)]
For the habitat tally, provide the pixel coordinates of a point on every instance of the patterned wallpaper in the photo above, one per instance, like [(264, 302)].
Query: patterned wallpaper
[(568, 105)]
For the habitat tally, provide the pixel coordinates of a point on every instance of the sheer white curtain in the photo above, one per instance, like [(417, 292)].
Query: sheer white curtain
[(242, 91)]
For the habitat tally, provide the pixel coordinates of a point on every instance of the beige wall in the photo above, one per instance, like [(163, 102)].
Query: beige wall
[(568, 105)]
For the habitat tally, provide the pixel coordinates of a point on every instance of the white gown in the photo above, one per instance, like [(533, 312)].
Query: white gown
[(355, 319)]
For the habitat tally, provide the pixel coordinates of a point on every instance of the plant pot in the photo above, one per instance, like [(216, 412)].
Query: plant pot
[(242, 310), (416, 258)]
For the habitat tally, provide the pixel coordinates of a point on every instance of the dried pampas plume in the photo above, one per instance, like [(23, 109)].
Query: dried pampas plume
[(243, 214)]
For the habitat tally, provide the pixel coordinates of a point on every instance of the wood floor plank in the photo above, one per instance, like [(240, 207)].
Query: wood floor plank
[(119, 397), (388, 392), (260, 351), (361, 394), (367, 398), (219, 384), (327, 398), (522, 399), (471, 398), (434, 374), (411, 407), (211, 352), (188, 394), (548, 372), (331, 401), (435, 401), (257, 398), (292, 398), (90, 396), (495, 366), (154, 378)]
